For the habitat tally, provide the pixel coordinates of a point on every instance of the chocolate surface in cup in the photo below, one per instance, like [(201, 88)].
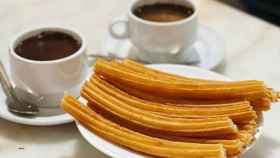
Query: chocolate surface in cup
[(48, 45), (163, 12)]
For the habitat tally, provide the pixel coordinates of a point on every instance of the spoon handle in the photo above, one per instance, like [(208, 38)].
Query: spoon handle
[(5, 82)]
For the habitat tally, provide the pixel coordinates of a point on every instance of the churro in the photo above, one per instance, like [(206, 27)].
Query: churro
[(140, 68), (211, 91), (233, 146), (238, 112), (182, 126), (261, 104), (136, 141)]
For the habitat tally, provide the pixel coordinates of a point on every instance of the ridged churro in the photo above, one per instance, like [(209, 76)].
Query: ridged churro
[(261, 104), (140, 68), (136, 141), (211, 91), (130, 65), (182, 126), (238, 112), (233, 144), (249, 127)]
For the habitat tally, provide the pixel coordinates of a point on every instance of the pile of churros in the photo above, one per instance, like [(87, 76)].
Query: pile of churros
[(164, 115)]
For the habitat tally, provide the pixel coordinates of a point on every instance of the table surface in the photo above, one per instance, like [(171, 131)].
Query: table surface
[(252, 52)]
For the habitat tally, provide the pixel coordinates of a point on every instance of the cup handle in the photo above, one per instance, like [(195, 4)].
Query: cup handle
[(119, 22)]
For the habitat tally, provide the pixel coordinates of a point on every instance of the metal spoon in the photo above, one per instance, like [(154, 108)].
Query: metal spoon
[(15, 104)]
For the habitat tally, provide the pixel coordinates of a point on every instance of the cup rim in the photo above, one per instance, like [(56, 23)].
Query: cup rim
[(187, 19), (48, 28)]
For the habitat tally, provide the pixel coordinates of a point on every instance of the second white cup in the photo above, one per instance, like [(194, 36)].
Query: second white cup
[(157, 38)]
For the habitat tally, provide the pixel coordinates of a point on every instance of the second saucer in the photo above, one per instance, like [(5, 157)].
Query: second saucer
[(207, 51)]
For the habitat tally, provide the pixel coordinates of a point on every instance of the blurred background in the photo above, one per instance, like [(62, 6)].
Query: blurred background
[(268, 10)]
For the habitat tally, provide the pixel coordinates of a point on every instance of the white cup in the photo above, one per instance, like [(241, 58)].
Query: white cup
[(49, 79), (157, 39)]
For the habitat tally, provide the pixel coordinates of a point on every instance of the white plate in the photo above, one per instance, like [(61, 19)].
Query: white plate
[(116, 151), (209, 48), (46, 117)]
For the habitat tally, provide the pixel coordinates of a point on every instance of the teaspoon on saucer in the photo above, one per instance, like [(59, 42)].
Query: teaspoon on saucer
[(14, 103)]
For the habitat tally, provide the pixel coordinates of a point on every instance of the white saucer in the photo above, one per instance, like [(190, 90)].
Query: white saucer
[(209, 49), (117, 151), (46, 116)]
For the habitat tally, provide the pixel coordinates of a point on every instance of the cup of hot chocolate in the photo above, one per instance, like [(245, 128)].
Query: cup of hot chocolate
[(49, 61), (158, 28)]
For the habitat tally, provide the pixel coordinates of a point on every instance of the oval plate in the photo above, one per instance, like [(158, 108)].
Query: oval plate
[(116, 151)]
